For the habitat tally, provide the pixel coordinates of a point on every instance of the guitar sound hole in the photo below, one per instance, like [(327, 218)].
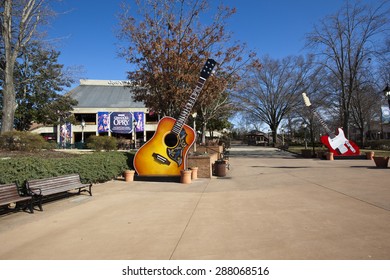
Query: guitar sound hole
[(170, 140)]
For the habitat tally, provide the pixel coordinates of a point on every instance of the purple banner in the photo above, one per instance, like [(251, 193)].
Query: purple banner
[(139, 121), (121, 122), (103, 122), (65, 133)]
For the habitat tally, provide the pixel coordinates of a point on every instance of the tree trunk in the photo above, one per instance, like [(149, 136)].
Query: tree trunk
[(14, 38), (363, 138), (9, 103), (204, 129), (274, 138), (8, 110)]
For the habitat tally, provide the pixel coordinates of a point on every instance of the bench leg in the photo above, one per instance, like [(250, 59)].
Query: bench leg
[(28, 204), (38, 198), (90, 190), (83, 189), (31, 205)]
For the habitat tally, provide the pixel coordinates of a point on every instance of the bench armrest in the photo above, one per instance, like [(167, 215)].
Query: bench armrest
[(34, 191)]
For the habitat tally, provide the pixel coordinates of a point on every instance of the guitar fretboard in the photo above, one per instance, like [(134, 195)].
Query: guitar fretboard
[(188, 107), (328, 131)]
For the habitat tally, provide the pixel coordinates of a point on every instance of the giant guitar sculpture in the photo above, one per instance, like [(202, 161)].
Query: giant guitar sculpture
[(337, 144), (166, 152)]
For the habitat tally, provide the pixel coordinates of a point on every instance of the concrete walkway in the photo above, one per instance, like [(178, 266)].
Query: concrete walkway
[(270, 205)]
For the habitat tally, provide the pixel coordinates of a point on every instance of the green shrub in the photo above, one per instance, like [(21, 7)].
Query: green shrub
[(21, 141), (382, 144), (96, 167), (99, 143)]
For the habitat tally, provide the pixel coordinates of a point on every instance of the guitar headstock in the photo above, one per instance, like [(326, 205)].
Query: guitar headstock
[(208, 68), (306, 99)]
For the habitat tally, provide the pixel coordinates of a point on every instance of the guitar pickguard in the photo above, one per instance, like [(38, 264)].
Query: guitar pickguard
[(176, 153)]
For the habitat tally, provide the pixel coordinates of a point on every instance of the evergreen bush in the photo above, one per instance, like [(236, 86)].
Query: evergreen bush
[(96, 167), (99, 143), (21, 141), (382, 144)]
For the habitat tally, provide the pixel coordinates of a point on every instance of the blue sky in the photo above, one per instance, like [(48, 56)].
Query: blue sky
[(87, 30)]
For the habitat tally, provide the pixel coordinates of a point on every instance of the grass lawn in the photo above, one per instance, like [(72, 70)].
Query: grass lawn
[(297, 150)]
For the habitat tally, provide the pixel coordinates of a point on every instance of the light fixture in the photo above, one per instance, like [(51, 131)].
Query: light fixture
[(386, 92)]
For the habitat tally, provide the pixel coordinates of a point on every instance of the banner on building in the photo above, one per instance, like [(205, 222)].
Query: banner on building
[(385, 114), (139, 121), (120, 122), (65, 134), (103, 122)]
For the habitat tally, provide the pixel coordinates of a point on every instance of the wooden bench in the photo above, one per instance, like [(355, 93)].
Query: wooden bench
[(9, 194), (40, 188)]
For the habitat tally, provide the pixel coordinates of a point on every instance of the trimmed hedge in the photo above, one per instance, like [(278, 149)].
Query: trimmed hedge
[(21, 141), (99, 143), (383, 144), (96, 167)]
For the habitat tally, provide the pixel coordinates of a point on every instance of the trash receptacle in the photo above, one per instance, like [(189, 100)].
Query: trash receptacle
[(220, 168)]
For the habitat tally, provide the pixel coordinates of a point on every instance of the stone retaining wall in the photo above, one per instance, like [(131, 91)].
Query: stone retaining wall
[(204, 164)]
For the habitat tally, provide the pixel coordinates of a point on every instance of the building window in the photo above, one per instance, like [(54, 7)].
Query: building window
[(88, 118)]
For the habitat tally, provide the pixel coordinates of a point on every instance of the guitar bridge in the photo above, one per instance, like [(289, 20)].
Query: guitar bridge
[(161, 159)]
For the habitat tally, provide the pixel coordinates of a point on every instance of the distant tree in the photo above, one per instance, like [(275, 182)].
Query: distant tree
[(168, 46), (271, 92), (58, 111), (216, 108), (344, 45), (39, 79), (364, 108), (218, 125), (19, 22)]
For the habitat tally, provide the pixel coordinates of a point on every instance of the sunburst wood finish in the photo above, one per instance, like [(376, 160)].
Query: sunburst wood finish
[(166, 153)]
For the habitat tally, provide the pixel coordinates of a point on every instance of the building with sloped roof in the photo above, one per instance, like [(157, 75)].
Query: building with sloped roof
[(105, 107)]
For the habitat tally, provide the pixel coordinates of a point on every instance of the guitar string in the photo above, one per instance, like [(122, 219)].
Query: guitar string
[(328, 131), (187, 109)]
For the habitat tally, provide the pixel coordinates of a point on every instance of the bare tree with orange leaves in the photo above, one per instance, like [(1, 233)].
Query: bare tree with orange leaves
[(168, 42)]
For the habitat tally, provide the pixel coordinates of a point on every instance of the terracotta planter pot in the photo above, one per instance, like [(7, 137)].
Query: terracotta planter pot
[(306, 153), (370, 155), (185, 177), (321, 154), (381, 162), (129, 175), (194, 174), (329, 156)]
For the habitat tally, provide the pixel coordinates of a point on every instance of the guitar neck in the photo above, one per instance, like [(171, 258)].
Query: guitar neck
[(188, 107), (328, 131)]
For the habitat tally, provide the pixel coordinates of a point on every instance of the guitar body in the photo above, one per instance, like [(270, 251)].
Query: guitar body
[(164, 154), (340, 145)]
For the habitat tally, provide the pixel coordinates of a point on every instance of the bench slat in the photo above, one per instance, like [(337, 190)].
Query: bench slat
[(49, 186), (58, 189), (9, 194)]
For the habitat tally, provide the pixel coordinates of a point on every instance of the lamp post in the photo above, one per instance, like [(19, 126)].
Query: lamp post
[(282, 136), (194, 117), (134, 131), (269, 136), (82, 130), (304, 129), (386, 92)]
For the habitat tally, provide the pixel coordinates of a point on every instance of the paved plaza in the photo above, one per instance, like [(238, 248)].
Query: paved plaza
[(271, 205)]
